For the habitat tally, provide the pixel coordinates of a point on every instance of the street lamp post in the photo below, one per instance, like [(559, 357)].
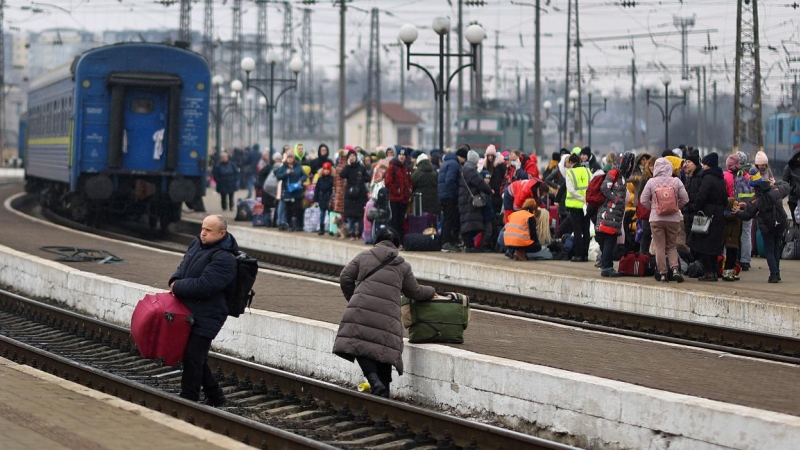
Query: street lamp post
[(249, 64), (236, 86), (573, 95), (547, 105), (666, 112), (441, 84)]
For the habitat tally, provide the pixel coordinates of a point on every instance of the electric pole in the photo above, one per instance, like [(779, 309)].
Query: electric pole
[(747, 89), (497, 47), (208, 33), (3, 85), (185, 32), (633, 104), (573, 79), (683, 24), (373, 98), (538, 141), (342, 73), (307, 106), (460, 31), (288, 116), (236, 50)]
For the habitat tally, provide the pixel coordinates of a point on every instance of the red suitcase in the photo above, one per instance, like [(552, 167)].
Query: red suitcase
[(160, 327)]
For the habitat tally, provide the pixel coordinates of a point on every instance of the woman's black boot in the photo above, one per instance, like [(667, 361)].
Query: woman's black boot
[(376, 387)]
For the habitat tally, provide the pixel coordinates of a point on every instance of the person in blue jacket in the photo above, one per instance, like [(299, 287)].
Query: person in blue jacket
[(449, 181), (292, 190), (201, 281), (226, 175)]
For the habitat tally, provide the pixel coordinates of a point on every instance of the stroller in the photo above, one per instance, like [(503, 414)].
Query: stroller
[(381, 214)]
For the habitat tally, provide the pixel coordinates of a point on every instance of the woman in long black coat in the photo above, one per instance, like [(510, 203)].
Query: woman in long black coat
[(426, 182), (355, 194), (711, 199), (471, 185), (693, 171)]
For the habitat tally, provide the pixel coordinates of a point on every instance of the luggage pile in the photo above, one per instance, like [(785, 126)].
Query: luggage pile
[(441, 319)]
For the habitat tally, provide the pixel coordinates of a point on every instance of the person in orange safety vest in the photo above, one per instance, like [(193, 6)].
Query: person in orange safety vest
[(520, 232)]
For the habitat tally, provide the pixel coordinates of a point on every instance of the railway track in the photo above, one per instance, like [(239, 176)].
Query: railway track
[(707, 336), (266, 408)]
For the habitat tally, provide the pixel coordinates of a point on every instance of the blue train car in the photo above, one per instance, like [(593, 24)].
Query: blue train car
[(122, 130), (782, 139), (22, 138)]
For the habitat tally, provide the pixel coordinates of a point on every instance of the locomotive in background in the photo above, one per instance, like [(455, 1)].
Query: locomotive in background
[(122, 132), (782, 139)]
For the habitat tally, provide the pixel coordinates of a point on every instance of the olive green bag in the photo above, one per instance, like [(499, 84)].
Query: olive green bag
[(441, 319)]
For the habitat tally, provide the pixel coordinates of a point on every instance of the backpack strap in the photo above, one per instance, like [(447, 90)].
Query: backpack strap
[(380, 266)]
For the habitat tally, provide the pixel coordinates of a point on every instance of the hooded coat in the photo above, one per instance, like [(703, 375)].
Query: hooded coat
[(204, 275), (791, 175), (532, 166), (226, 175), (767, 197), (662, 176), (323, 156), (471, 184), (300, 156), (426, 182), (712, 199), (398, 181), (692, 184), (449, 177), (372, 324), (297, 176), (611, 213), (355, 175)]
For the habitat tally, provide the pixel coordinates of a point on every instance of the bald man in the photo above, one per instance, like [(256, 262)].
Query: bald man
[(201, 281)]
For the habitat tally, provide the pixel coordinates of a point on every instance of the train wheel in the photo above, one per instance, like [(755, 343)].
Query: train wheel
[(76, 207)]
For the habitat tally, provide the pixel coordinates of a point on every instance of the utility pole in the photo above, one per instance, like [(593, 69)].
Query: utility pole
[(683, 24), (261, 40), (538, 140), (208, 34), (448, 116), (342, 73), (714, 116), (497, 48), (373, 99), (2, 85), (307, 77), (700, 137), (705, 108), (747, 118), (573, 79), (185, 31), (460, 31), (236, 50), (288, 116)]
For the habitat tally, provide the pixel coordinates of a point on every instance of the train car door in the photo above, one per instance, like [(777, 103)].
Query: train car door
[(144, 140)]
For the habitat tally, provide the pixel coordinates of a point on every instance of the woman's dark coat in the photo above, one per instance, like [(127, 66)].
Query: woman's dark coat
[(791, 175), (323, 157), (449, 177), (203, 276), (496, 183), (611, 213), (355, 175), (372, 324), (226, 175), (693, 189), (761, 206), (471, 184), (426, 182), (297, 176), (712, 199)]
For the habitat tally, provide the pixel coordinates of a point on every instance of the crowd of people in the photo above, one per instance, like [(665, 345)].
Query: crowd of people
[(692, 215)]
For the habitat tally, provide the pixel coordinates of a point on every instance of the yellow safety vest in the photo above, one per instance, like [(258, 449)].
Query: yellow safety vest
[(580, 181), (517, 233)]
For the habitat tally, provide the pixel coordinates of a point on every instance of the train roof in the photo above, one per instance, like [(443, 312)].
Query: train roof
[(54, 76)]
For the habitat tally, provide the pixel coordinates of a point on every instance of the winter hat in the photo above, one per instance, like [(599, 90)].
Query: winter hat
[(485, 174), (500, 160), (743, 160), (556, 156), (711, 160), (327, 165), (277, 156), (694, 157), (761, 158), (576, 150), (491, 150), (676, 163), (586, 151), (401, 151), (381, 154), (416, 153), (349, 148), (473, 156), (755, 176), (505, 154), (462, 153), (677, 151), (732, 162), (422, 157)]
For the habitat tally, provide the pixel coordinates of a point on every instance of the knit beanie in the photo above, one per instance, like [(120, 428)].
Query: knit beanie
[(732, 162), (416, 153), (491, 150), (586, 151), (694, 157), (755, 176), (473, 157), (677, 151), (421, 157), (462, 153), (676, 163), (556, 156), (576, 150), (327, 165), (711, 160), (761, 158)]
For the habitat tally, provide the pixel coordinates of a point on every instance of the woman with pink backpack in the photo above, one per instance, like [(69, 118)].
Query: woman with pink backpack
[(665, 195)]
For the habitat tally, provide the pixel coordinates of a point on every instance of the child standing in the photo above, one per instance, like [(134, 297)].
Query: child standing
[(323, 193), (732, 235)]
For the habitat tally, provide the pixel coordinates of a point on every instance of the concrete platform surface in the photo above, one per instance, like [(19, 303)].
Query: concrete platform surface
[(41, 411)]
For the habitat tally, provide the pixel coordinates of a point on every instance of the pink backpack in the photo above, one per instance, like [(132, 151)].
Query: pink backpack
[(665, 200)]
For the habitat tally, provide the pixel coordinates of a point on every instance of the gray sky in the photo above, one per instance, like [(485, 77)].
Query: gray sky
[(599, 18)]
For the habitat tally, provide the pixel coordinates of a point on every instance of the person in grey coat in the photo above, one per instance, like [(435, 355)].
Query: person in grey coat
[(611, 213), (371, 330), (472, 185)]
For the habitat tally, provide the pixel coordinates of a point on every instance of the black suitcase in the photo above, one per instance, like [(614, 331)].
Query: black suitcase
[(417, 242)]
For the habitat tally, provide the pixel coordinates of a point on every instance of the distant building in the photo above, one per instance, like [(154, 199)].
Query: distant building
[(55, 47), (398, 126)]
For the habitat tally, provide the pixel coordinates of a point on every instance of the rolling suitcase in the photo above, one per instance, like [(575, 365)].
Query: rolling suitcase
[(420, 223), (160, 327), (416, 204)]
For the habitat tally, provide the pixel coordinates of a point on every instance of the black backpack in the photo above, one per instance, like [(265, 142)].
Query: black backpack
[(239, 294)]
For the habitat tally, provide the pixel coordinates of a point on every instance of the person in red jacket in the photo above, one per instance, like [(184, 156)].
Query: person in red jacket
[(517, 192), (400, 186), (532, 166)]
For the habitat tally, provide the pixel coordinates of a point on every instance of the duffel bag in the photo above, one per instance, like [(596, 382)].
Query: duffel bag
[(791, 250), (634, 265), (419, 242), (441, 319)]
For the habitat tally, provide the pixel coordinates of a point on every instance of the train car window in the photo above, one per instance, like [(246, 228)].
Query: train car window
[(489, 125), (472, 124), (142, 106)]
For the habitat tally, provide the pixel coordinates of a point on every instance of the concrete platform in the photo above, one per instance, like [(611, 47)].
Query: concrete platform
[(588, 410), (39, 410), (751, 303)]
